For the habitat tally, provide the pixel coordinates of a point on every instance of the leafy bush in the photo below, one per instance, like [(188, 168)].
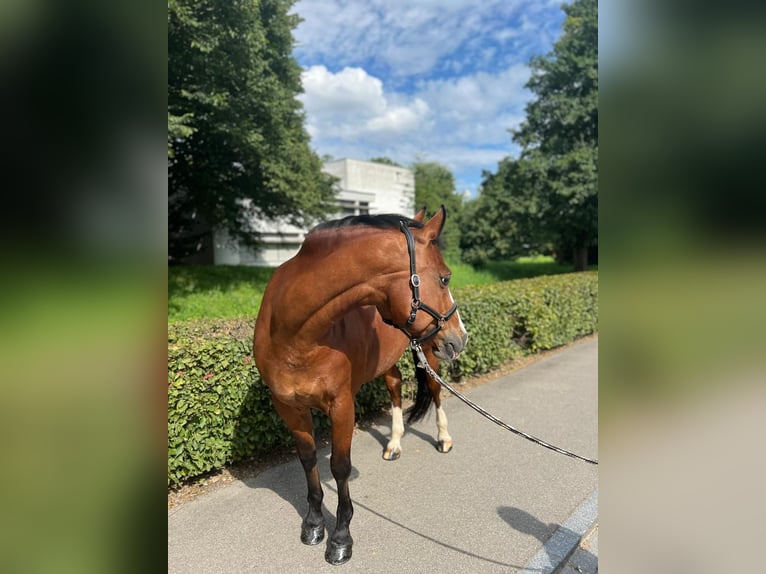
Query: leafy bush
[(515, 318), (231, 291), (220, 411)]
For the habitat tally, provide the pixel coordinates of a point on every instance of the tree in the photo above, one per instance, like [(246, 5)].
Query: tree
[(435, 186), (550, 192), (560, 135), (237, 146), (503, 223)]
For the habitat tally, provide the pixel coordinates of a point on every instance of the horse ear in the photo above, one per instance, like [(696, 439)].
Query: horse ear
[(433, 227), (420, 215)]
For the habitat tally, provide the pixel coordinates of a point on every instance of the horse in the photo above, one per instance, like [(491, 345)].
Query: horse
[(337, 315)]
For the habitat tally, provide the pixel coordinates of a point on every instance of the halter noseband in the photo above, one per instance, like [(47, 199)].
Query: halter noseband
[(417, 304)]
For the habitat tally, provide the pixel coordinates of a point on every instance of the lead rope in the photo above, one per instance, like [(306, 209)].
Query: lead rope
[(424, 364)]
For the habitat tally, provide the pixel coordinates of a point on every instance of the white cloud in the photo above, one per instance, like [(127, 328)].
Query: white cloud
[(400, 119), (404, 36), (327, 92), (439, 80), (476, 110), (460, 122), (352, 104)]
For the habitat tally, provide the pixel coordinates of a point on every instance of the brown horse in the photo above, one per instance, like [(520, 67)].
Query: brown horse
[(324, 329)]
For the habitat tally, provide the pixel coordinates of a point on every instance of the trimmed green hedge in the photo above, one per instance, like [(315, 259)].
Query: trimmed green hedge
[(219, 410)]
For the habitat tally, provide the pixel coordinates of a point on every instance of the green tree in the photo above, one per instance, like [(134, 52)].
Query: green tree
[(560, 135), (237, 146), (550, 193), (504, 222), (435, 186)]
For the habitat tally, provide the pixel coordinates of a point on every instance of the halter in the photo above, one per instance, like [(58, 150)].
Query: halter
[(417, 304)]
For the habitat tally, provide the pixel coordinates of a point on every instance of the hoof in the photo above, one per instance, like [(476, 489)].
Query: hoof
[(312, 535), (337, 554), (392, 454), (444, 446)]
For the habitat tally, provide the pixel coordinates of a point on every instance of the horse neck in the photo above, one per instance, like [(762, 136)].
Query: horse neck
[(353, 269)]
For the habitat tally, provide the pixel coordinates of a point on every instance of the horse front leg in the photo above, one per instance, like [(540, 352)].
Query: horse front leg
[(443, 438), (342, 418), (302, 427), (393, 378)]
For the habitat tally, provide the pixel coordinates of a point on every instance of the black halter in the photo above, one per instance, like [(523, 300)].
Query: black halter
[(417, 304)]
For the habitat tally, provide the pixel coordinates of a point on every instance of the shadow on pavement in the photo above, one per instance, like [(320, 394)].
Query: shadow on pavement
[(525, 523), (289, 483), (409, 431), (558, 541), (429, 538)]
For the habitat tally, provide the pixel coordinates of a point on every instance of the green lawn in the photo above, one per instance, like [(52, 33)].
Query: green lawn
[(215, 291), (526, 267), (208, 291), (464, 275)]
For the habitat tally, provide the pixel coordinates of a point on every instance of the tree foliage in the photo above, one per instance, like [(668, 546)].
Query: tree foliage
[(435, 186), (549, 195), (504, 222), (237, 146)]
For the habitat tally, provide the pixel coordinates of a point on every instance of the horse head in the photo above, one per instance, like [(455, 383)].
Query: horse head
[(423, 307)]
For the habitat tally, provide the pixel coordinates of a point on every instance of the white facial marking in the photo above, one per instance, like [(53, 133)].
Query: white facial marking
[(457, 313)]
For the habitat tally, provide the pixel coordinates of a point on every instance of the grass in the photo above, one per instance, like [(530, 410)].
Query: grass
[(226, 292), (215, 291), (524, 267)]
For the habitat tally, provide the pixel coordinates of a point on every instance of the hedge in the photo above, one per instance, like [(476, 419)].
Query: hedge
[(219, 410)]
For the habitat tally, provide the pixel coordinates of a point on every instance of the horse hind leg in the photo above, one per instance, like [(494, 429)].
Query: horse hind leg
[(393, 378), (302, 427)]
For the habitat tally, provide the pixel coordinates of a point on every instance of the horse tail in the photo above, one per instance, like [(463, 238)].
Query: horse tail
[(423, 398)]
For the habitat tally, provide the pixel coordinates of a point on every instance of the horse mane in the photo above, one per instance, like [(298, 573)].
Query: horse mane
[(383, 221)]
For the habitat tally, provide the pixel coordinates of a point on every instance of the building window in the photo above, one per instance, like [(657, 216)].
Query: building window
[(353, 207)]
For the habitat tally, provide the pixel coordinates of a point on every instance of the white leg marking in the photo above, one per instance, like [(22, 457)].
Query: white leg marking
[(394, 448), (442, 437)]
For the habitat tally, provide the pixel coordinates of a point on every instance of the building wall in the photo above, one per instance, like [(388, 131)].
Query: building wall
[(392, 188), (364, 187)]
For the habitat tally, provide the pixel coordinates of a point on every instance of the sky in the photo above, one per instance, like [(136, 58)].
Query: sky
[(421, 80)]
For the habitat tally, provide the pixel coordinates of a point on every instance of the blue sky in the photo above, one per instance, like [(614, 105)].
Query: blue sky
[(432, 80)]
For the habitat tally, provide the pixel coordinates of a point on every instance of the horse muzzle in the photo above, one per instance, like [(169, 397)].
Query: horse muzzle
[(449, 347)]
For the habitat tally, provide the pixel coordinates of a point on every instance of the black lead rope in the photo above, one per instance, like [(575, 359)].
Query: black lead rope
[(424, 364)]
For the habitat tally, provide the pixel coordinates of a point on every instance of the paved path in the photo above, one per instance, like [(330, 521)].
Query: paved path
[(496, 503)]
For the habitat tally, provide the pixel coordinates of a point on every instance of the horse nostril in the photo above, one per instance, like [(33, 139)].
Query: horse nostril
[(453, 347)]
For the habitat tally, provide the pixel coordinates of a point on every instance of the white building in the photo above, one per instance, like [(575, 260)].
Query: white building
[(364, 187)]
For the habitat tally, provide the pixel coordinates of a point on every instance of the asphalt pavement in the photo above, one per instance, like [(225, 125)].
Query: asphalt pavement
[(495, 503)]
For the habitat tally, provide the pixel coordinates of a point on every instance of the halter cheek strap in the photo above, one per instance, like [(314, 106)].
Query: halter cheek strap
[(416, 303)]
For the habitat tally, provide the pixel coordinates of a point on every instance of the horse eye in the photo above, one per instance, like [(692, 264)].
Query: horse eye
[(444, 280)]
